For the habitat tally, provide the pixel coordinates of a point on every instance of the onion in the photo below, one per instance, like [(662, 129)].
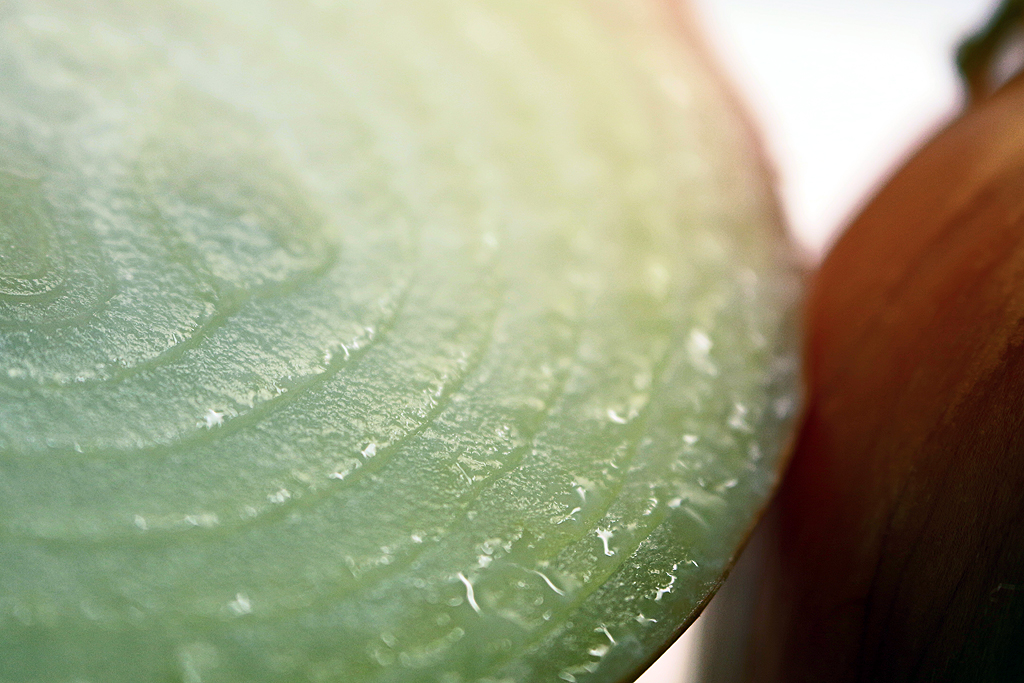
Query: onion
[(896, 551)]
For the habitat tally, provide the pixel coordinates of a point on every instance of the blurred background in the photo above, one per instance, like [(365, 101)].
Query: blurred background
[(842, 91)]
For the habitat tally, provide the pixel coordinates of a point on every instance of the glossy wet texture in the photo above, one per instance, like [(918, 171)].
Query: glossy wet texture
[(374, 342)]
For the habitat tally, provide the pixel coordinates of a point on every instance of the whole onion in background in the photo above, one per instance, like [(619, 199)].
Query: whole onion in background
[(895, 551)]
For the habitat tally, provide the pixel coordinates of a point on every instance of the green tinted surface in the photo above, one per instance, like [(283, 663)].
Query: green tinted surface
[(373, 341)]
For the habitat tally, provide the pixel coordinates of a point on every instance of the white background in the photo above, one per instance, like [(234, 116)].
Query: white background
[(842, 90)]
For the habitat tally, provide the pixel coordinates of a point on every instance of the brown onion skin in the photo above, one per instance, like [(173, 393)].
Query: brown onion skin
[(897, 542)]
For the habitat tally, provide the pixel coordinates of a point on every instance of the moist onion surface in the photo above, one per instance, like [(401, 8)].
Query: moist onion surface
[(436, 341)]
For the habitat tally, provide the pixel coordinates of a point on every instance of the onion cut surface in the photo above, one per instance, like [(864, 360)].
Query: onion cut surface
[(439, 341)]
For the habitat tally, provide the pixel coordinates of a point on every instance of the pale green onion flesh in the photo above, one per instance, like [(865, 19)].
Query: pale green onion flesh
[(359, 341)]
